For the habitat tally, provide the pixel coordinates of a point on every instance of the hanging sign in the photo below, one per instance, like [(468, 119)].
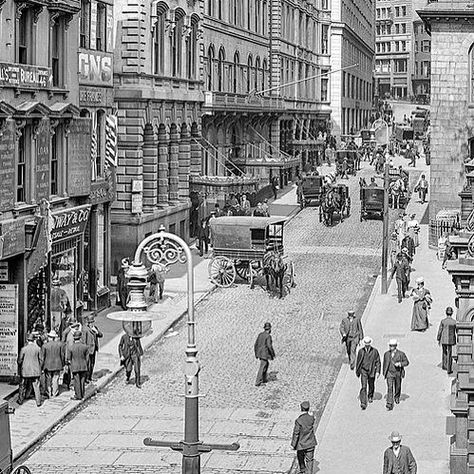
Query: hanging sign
[(70, 222), (8, 329)]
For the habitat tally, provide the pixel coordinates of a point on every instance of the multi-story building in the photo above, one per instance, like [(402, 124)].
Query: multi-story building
[(157, 74), (352, 60), (393, 48), (421, 77), (45, 170), (253, 123)]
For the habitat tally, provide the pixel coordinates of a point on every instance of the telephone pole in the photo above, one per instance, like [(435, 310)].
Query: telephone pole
[(386, 183)]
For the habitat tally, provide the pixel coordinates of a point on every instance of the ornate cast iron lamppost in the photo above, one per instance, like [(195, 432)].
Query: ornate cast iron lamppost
[(168, 249)]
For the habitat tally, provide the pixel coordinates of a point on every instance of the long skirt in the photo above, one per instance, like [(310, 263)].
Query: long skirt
[(419, 320)]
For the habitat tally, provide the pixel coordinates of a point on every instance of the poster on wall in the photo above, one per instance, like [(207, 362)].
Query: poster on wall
[(43, 141), (8, 329), (7, 166), (79, 162)]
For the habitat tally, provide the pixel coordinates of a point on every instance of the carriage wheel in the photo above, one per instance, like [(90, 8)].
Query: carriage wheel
[(242, 269), (222, 271), (320, 213), (21, 470), (348, 206)]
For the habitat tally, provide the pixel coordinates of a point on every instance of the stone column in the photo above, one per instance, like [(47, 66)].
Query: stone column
[(163, 146), (196, 153), (150, 169), (184, 163), (173, 190)]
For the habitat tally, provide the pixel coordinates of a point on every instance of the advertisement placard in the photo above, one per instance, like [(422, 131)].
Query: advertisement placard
[(8, 329)]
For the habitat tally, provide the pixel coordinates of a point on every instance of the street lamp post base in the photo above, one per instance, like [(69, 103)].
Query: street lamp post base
[(191, 464)]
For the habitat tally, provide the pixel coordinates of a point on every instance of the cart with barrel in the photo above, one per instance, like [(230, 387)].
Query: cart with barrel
[(240, 244)]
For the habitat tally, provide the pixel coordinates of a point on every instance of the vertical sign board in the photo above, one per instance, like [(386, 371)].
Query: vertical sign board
[(42, 180), (93, 31), (8, 329), (110, 29), (7, 167), (79, 161)]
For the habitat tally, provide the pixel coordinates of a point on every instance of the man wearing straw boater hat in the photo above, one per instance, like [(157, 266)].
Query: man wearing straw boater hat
[(398, 459)]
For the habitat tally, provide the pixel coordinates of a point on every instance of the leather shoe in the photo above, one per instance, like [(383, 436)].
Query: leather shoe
[(363, 407), (371, 400), (397, 401), (389, 408), (138, 386)]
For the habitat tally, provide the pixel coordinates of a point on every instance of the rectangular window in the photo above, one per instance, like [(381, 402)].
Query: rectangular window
[(101, 39), (397, 28), (56, 51), (416, 46), (324, 39), (378, 12), (85, 19), (400, 65), (55, 153), (404, 11), (21, 166), (404, 45), (343, 83), (325, 4), (404, 27), (324, 86), (397, 11), (24, 37)]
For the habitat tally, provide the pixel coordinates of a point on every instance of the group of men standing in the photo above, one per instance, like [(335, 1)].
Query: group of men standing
[(46, 359)]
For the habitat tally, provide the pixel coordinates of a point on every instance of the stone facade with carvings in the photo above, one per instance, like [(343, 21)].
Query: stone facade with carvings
[(157, 74)]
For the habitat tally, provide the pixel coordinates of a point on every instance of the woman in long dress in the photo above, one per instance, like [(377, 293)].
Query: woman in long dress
[(413, 227), (421, 305)]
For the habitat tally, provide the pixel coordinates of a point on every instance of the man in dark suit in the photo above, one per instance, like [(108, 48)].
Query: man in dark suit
[(77, 356), (53, 362), (95, 335), (351, 334), (394, 363), (130, 351), (264, 351), (30, 361), (367, 368), (398, 459), (304, 440), (401, 269), (447, 339)]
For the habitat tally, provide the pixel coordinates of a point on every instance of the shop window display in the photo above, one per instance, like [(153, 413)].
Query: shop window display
[(63, 284)]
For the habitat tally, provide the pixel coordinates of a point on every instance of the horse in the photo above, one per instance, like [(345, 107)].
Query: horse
[(275, 268), (330, 205), (396, 190)]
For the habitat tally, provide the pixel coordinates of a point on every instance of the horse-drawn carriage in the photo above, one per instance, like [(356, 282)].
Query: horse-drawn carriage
[(310, 190), (249, 247), (371, 202), (346, 162), (336, 201)]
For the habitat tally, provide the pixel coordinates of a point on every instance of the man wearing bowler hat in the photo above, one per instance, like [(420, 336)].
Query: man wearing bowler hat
[(304, 440), (53, 362), (394, 363), (447, 339), (351, 334), (398, 459), (77, 357), (367, 368), (264, 351)]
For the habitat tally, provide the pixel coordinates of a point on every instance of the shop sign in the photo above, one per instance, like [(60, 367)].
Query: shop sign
[(69, 223), (4, 271), (79, 159), (42, 182), (95, 68), (7, 166), (12, 238), (101, 191), (137, 203), (8, 329), (25, 75), (95, 97)]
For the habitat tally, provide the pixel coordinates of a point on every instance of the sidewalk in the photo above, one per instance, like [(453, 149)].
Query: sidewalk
[(352, 440)]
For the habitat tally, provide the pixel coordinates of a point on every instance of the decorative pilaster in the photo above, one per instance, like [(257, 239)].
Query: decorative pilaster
[(196, 153), (163, 146), (173, 192), (150, 169), (184, 162)]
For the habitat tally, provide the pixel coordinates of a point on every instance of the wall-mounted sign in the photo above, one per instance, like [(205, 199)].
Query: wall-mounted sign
[(12, 238), (4, 275), (95, 97), (78, 158), (42, 181), (137, 185), (7, 167), (137, 203), (70, 222), (24, 75), (102, 191), (95, 68), (8, 329)]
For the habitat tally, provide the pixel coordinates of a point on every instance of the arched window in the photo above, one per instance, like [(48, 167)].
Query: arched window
[(264, 75), (177, 44), (159, 39), (257, 74), (219, 9), (249, 73), (264, 17), (210, 65), (258, 16), (220, 69), (249, 14), (191, 48), (210, 7), (236, 71)]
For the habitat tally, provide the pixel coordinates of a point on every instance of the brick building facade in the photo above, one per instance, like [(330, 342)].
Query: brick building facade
[(352, 44), (451, 25), (157, 70)]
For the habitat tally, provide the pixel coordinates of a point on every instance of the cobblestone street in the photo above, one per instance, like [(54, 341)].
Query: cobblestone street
[(335, 270)]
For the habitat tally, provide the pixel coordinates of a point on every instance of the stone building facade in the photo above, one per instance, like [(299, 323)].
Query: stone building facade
[(157, 74), (421, 77), (451, 25), (45, 172), (394, 48), (252, 126)]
